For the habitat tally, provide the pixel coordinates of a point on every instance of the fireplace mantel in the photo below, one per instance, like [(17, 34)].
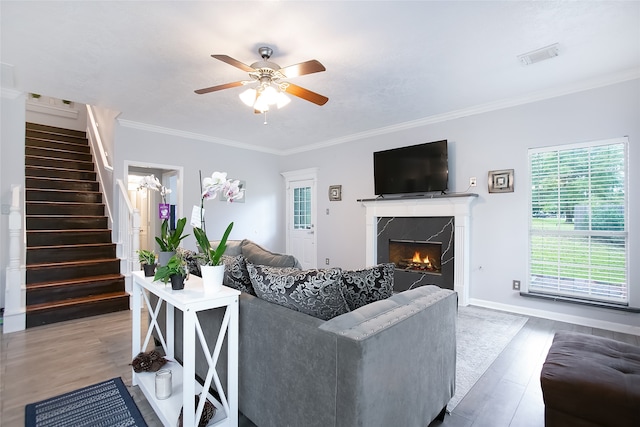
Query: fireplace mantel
[(457, 206)]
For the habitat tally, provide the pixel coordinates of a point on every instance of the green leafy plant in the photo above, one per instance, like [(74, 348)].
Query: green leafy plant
[(146, 257), (176, 265), (210, 256), (170, 240)]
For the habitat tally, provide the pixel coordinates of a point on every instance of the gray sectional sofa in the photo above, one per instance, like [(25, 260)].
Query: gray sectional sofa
[(388, 363)]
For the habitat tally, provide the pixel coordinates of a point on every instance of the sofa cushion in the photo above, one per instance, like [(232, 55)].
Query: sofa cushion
[(233, 247), (317, 293), (362, 287), (236, 274), (256, 254)]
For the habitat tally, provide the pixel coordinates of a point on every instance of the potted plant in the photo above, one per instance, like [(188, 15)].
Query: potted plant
[(148, 261), (169, 240), (175, 270), (210, 259)]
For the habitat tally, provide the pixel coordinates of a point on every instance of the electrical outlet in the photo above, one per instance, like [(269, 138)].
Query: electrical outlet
[(516, 285), (326, 261), (473, 181)]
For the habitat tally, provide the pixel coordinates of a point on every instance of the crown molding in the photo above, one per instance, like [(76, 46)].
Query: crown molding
[(426, 121), (479, 109), (194, 136)]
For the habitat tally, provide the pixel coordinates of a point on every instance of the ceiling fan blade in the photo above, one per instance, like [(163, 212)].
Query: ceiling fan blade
[(229, 60), (219, 87), (308, 67), (306, 94)]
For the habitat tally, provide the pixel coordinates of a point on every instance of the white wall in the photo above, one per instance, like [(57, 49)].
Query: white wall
[(259, 218), (478, 144), (12, 120), (53, 112)]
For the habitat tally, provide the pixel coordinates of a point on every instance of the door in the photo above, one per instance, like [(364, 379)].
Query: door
[(301, 213), (141, 200)]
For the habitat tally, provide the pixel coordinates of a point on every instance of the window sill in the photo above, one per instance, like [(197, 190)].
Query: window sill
[(599, 304)]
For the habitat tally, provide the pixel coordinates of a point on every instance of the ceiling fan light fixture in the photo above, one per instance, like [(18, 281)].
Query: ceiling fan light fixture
[(248, 97), (282, 100), (261, 104), (270, 95)]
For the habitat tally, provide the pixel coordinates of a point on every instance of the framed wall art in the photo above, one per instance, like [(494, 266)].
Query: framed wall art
[(500, 181), (335, 193)]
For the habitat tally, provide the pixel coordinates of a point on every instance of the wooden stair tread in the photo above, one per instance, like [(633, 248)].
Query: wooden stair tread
[(58, 190), (82, 245), (71, 263), (89, 279), (79, 230), (75, 301), (70, 180), (64, 216), (49, 202), (57, 158), (54, 168)]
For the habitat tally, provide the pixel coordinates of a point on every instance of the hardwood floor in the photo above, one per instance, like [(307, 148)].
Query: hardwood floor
[(49, 360)]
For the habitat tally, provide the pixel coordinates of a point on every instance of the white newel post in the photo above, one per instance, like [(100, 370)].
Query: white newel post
[(15, 293), (458, 206), (135, 236)]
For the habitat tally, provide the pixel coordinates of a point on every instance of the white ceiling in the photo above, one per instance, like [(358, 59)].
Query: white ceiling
[(389, 64)]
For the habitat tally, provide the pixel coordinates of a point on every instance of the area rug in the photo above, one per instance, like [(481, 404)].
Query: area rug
[(481, 336), (106, 404)]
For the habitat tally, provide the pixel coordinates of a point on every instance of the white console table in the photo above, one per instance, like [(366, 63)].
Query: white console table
[(190, 301)]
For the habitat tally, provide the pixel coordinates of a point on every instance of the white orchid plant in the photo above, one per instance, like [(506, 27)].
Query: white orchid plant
[(216, 184), (152, 183), (168, 239)]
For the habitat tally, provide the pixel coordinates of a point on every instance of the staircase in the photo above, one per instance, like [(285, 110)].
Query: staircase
[(71, 267)]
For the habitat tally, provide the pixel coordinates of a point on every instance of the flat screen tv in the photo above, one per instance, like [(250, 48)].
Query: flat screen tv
[(415, 169)]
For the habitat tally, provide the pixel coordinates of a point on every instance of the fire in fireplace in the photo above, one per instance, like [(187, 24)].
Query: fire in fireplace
[(416, 256)]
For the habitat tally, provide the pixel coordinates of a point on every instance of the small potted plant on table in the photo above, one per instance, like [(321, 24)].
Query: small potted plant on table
[(169, 240), (148, 261), (175, 270)]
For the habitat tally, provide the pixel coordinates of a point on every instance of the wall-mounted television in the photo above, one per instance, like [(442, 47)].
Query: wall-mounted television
[(415, 169)]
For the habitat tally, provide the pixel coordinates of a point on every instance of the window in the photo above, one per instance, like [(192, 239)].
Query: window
[(578, 221), (302, 208)]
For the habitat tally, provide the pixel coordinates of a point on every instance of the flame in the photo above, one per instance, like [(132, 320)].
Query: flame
[(417, 258)]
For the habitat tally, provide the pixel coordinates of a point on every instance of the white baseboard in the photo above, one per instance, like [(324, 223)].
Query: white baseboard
[(578, 320), (13, 322)]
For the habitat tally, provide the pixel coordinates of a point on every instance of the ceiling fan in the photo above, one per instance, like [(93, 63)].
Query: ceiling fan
[(271, 87)]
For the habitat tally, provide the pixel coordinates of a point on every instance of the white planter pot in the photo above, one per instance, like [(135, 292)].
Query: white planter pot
[(212, 277)]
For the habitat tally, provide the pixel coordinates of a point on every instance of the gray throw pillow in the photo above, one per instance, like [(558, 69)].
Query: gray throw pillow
[(236, 274), (362, 287), (256, 254), (317, 293)]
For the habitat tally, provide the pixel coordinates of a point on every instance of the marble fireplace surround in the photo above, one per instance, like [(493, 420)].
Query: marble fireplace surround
[(457, 206)]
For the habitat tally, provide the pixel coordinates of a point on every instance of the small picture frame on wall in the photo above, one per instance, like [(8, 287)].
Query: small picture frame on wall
[(501, 181), (335, 193)]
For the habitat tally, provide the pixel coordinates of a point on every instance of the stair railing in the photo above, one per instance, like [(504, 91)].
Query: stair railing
[(15, 288), (128, 234), (104, 168)]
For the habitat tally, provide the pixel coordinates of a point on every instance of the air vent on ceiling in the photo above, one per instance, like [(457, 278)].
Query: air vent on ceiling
[(538, 55)]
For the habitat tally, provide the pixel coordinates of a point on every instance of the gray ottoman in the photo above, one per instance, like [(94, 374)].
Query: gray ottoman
[(590, 381)]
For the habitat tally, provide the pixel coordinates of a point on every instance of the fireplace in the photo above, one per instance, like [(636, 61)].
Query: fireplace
[(416, 256), (382, 213), (422, 248)]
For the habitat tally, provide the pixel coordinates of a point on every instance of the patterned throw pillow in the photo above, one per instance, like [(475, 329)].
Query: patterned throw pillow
[(362, 287), (317, 293), (191, 258), (236, 274)]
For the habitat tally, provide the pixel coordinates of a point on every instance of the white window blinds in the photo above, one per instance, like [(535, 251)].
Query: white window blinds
[(578, 221)]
